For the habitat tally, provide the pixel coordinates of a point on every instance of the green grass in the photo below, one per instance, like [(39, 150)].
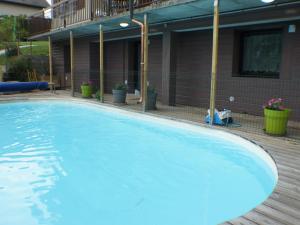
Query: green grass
[(38, 48), (2, 60)]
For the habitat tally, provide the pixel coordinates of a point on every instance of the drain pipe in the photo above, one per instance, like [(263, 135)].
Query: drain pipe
[(142, 56)]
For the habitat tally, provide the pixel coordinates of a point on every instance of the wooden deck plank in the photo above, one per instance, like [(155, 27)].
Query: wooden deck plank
[(281, 197), (242, 221), (277, 215), (260, 219), (283, 207)]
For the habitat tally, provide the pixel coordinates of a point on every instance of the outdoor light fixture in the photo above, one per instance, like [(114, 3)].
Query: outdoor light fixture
[(267, 1), (124, 24)]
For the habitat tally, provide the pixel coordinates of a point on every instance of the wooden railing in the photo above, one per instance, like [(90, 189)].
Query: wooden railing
[(68, 12), (38, 23)]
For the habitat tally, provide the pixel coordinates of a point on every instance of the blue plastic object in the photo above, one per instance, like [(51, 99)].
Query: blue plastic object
[(217, 119), (22, 86)]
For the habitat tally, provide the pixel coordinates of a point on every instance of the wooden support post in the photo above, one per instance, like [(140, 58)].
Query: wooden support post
[(145, 73), (50, 64), (72, 62), (214, 62), (101, 65)]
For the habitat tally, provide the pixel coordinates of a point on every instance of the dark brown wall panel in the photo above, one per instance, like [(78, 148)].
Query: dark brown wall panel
[(194, 66), (58, 61), (94, 64), (155, 64), (81, 62), (114, 64)]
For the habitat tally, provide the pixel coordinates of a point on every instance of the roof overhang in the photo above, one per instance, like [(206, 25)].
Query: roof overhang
[(178, 12), (39, 4)]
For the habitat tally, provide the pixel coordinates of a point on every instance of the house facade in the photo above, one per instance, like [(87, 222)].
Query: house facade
[(21, 7), (259, 49)]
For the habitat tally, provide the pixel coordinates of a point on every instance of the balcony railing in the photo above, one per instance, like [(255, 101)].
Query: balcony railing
[(68, 12)]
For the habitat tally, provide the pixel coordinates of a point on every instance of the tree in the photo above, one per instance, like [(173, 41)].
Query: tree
[(13, 28)]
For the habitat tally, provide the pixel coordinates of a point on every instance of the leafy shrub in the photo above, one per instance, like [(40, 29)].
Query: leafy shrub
[(151, 90), (98, 95), (120, 86), (11, 49), (18, 67)]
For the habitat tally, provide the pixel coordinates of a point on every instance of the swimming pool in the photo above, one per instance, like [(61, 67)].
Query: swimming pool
[(82, 164)]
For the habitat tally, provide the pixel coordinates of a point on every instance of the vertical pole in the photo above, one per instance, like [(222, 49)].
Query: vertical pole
[(72, 62), (145, 73), (142, 63), (91, 9), (214, 61), (50, 62), (18, 47), (101, 67), (14, 28), (31, 48)]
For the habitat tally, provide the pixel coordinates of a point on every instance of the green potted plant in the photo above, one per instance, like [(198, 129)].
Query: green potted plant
[(98, 95), (119, 93), (276, 117), (86, 89), (151, 98)]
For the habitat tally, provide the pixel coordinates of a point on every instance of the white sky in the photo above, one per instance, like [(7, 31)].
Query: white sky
[(49, 1)]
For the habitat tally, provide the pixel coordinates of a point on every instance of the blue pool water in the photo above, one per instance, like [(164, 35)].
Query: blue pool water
[(74, 164)]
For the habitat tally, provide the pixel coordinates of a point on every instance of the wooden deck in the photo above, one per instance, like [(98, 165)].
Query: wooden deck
[(282, 207)]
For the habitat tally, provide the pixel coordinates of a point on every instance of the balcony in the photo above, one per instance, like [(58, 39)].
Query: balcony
[(71, 12)]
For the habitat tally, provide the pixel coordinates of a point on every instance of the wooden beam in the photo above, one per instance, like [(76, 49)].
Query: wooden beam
[(145, 68), (72, 62), (50, 60), (214, 61), (101, 63)]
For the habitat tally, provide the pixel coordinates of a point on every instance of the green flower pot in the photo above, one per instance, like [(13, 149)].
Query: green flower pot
[(86, 91), (276, 121)]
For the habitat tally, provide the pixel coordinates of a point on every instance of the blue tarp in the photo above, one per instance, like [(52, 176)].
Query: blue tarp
[(22, 86)]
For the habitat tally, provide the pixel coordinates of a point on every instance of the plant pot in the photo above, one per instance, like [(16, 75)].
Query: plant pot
[(86, 91), (119, 96), (276, 121), (151, 101)]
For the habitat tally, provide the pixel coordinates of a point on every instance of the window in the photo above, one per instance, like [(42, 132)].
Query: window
[(261, 53)]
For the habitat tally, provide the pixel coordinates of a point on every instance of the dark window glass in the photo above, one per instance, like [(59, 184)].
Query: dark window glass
[(261, 53)]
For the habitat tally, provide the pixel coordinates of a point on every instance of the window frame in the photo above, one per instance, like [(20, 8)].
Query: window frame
[(242, 73)]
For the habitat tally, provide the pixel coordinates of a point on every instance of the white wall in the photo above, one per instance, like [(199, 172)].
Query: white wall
[(15, 9)]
